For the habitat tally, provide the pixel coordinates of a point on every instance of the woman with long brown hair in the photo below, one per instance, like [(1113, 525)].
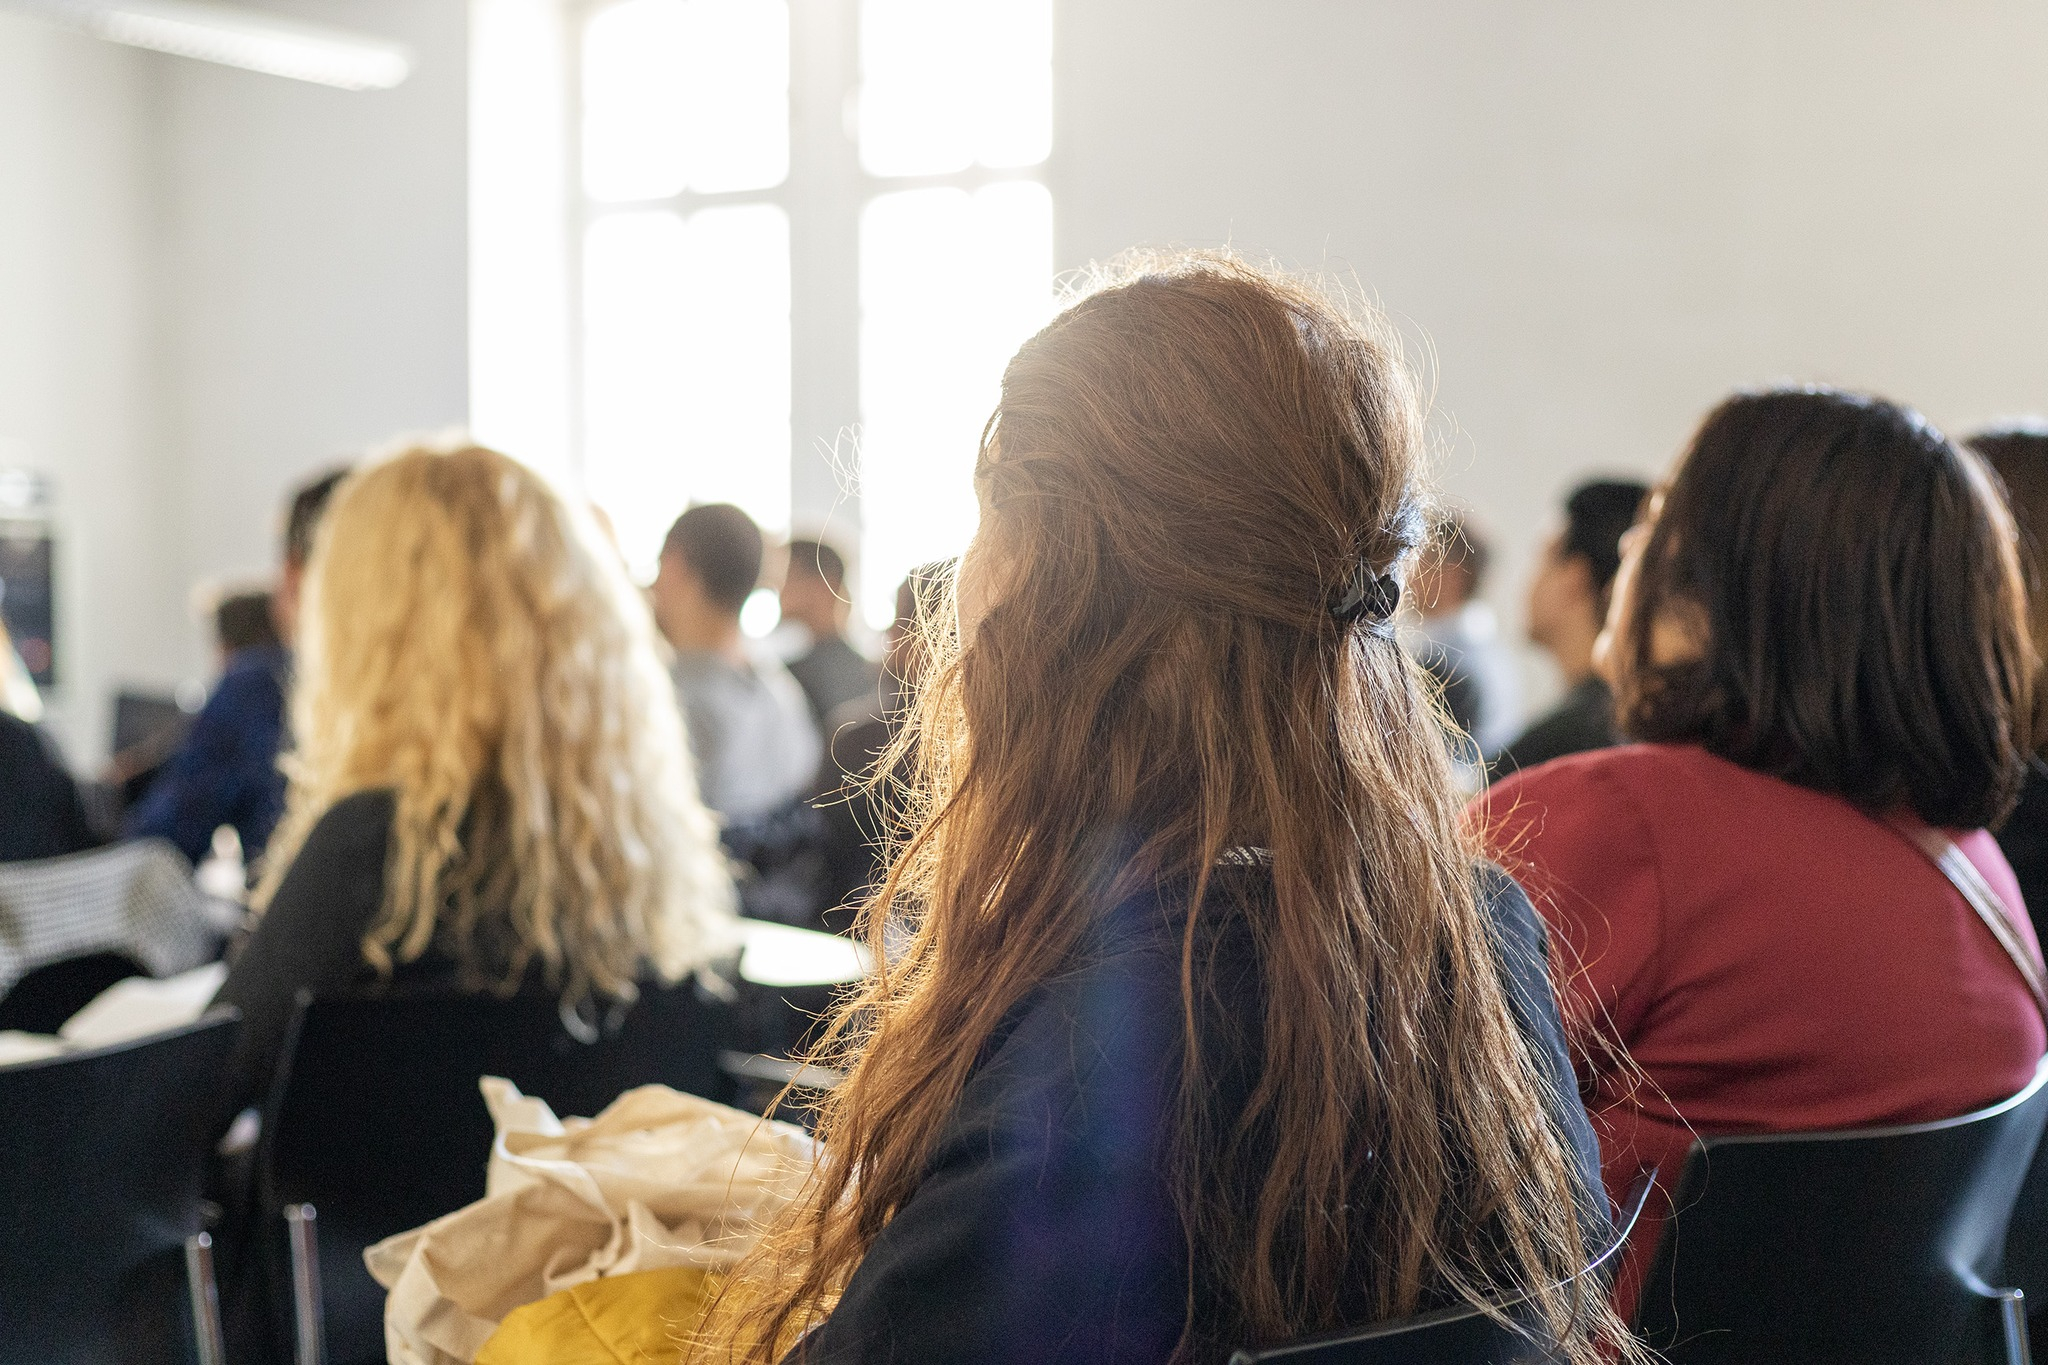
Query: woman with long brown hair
[(1204, 1026)]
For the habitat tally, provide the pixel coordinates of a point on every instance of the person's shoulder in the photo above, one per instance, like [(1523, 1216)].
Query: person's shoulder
[(1623, 769), (19, 741), (358, 821), (1582, 801), (1110, 1017), (1512, 913), (253, 685)]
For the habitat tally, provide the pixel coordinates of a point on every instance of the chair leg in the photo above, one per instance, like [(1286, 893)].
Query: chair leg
[(2012, 1316), (308, 1322), (205, 1295)]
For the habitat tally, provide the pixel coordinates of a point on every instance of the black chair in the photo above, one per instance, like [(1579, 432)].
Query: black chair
[(377, 1124), (43, 999), (103, 1252), (1462, 1335), (1869, 1246)]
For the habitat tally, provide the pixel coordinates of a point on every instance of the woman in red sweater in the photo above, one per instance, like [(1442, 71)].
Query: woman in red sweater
[(1819, 633)]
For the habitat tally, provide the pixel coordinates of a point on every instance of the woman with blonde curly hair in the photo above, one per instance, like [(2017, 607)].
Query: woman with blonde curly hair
[(490, 789)]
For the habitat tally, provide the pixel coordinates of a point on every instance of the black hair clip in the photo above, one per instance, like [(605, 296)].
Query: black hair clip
[(1368, 596)]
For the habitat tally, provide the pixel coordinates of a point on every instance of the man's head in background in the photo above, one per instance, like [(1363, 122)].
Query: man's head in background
[(710, 562), (1451, 569), (814, 589), (1568, 596), (245, 620), (301, 523)]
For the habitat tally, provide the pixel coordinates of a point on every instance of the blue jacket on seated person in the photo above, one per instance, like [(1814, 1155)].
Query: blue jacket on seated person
[(1045, 1228), (225, 771)]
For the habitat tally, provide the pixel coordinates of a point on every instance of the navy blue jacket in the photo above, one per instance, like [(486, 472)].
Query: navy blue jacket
[(1045, 1229), (225, 771)]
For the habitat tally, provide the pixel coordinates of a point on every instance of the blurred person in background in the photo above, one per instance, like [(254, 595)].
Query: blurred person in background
[(490, 790), (1759, 911), (1567, 608), (1457, 639), (41, 815), (224, 771), (2018, 452), (830, 671), (750, 729), (861, 811)]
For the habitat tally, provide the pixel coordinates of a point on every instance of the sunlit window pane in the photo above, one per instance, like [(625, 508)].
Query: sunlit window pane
[(946, 84), (685, 94), (686, 368), (951, 283)]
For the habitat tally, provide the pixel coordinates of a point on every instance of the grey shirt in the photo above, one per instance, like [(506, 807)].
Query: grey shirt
[(751, 732)]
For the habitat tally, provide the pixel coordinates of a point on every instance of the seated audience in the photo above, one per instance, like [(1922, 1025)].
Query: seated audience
[(859, 814), (1174, 770), (2019, 454), (1567, 607), (490, 790), (830, 671), (41, 815), (224, 771), (750, 729), (1819, 634), (1458, 639)]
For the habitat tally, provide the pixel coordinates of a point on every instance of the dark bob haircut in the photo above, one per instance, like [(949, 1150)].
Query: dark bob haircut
[(1855, 577)]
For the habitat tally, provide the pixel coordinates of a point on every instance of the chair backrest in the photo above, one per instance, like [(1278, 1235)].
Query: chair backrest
[(102, 1159), (44, 998), (1461, 1335), (1871, 1246), (135, 898), (377, 1120)]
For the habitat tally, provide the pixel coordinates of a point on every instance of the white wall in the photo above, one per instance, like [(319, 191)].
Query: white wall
[(315, 274), (1596, 215), (76, 372), (1599, 215)]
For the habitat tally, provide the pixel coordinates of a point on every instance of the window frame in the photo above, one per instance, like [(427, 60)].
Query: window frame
[(823, 195)]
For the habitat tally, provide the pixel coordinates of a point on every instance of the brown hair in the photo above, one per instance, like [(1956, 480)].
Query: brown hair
[(302, 519), (2018, 454), (1185, 469), (720, 544), (243, 620), (1854, 576)]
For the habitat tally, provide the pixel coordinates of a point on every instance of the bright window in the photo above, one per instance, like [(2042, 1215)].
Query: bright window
[(950, 283), (767, 269), (686, 354)]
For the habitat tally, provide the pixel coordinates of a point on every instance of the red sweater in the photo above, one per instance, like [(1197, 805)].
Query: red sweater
[(1773, 959)]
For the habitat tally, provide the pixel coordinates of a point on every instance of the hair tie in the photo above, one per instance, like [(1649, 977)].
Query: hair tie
[(1368, 596)]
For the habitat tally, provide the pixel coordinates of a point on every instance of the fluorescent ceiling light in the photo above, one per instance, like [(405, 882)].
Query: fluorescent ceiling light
[(235, 36)]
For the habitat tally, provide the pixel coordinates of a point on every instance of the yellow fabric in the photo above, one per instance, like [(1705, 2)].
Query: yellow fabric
[(637, 1319)]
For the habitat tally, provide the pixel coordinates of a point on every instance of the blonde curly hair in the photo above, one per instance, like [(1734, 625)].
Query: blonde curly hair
[(468, 641)]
